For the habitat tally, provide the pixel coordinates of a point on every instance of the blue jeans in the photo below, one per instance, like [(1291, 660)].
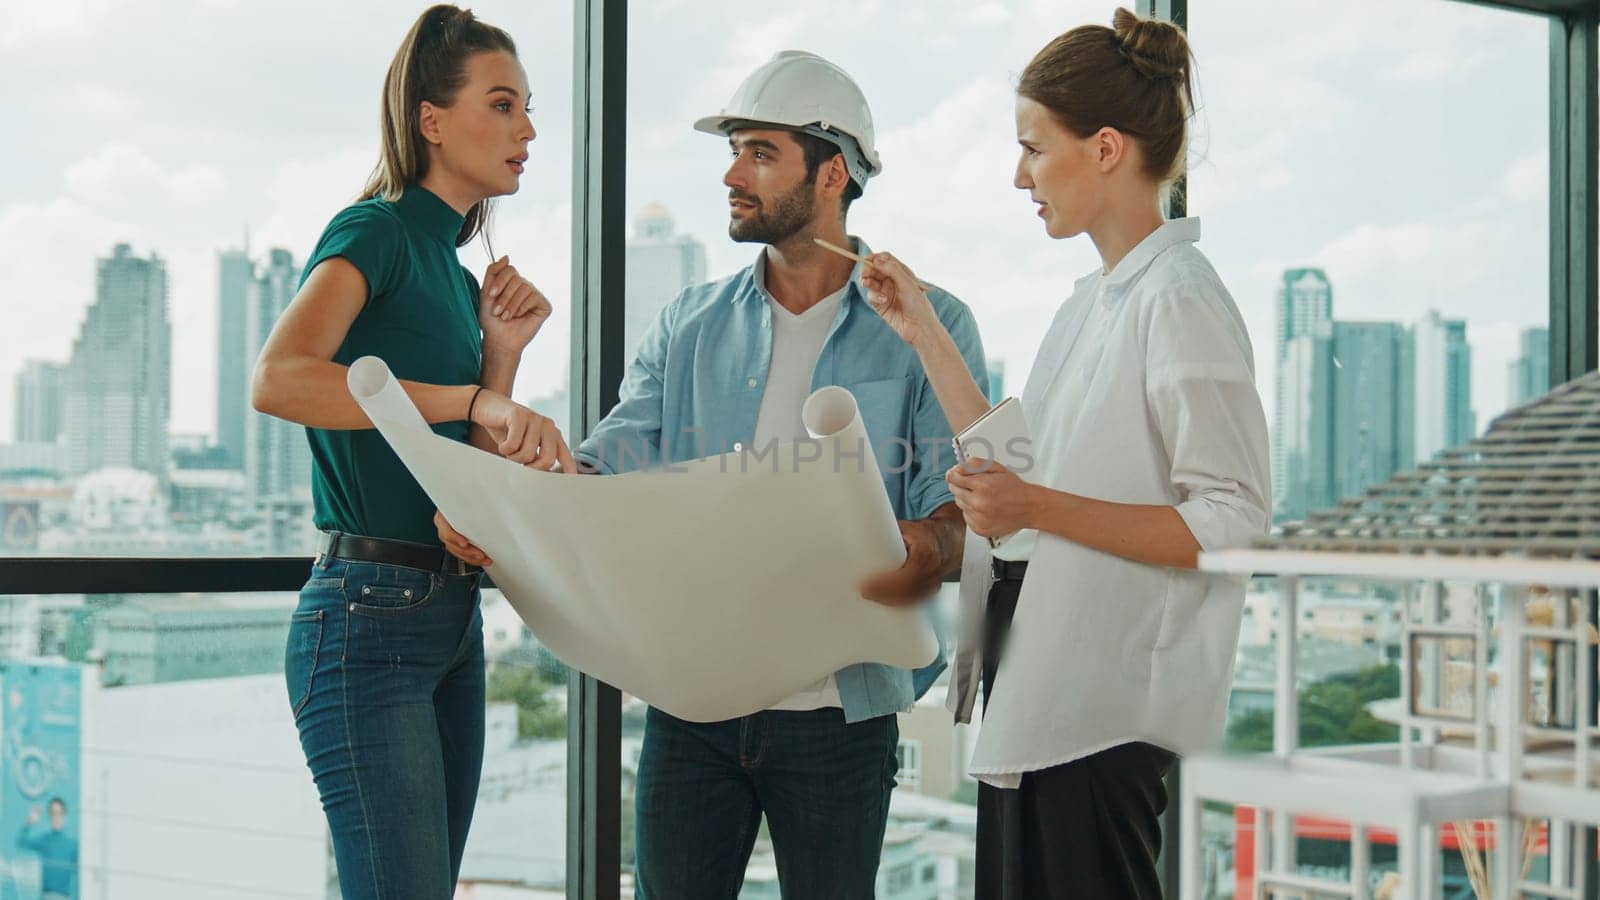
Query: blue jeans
[(386, 680), (702, 788)]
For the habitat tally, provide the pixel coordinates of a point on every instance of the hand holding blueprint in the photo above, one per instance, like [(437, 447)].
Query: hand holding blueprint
[(710, 591)]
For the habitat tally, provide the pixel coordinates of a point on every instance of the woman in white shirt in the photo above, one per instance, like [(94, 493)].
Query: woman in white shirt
[(1150, 446)]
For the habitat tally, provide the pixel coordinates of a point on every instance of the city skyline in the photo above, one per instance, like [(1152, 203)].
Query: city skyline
[(660, 262), (1414, 172), (1458, 221), (1359, 400)]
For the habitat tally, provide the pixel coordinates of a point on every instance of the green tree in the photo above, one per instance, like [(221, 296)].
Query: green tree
[(538, 714), (1332, 711)]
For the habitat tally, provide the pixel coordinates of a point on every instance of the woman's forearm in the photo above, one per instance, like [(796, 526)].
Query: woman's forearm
[(499, 374), (315, 393), (1151, 534), (961, 398)]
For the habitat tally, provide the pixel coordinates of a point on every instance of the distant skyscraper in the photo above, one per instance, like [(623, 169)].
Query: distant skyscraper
[(1444, 414), (235, 273), (997, 379), (277, 459), (1305, 309), (558, 406), (659, 265), (119, 382), (39, 401), (1372, 423), (1304, 439), (1529, 376)]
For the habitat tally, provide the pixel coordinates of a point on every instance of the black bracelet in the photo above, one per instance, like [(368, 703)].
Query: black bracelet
[(473, 403)]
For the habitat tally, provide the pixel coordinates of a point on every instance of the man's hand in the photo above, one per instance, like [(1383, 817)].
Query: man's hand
[(933, 549)]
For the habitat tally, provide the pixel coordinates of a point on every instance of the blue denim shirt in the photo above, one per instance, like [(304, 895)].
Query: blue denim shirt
[(694, 389)]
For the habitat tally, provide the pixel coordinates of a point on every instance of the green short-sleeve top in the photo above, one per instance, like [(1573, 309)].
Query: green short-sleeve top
[(421, 318)]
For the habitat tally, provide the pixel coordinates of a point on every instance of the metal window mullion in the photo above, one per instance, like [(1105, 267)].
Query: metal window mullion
[(1574, 153), (1574, 248), (151, 575), (594, 709), (1169, 865)]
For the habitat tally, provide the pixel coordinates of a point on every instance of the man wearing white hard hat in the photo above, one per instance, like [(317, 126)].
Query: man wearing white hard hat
[(726, 367)]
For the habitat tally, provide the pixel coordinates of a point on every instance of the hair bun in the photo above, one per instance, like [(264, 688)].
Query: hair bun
[(1157, 49)]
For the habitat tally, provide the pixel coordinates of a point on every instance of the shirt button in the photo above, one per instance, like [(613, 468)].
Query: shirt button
[(751, 382), (737, 446)]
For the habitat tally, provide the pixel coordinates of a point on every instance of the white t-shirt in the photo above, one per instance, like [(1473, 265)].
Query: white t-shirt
[(796, 344)]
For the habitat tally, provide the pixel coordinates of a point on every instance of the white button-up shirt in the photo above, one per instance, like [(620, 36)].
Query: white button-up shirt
[(1103, 650)]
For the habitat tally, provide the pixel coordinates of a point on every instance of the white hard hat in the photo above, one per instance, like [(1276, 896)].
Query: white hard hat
[(804, 92)]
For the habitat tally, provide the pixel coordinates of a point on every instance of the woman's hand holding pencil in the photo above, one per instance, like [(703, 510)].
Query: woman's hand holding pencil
[(895, 294)]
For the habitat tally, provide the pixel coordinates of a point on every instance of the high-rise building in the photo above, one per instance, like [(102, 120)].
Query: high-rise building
[(1305, 309), (235, 274), (1304, 439), (557, 405), (39, 401), (659, 265), (119, 382), (277, 459), (1372, 420), (997, 379), (1529, 375), (1444, 413)]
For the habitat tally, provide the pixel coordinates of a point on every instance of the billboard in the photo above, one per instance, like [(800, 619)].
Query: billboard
[(19, 524), (41, 715)]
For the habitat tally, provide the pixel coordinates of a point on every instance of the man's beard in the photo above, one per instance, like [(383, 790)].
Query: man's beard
[(788, 217)]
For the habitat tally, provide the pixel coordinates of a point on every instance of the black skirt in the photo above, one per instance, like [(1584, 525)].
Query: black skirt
[(1090, 828)]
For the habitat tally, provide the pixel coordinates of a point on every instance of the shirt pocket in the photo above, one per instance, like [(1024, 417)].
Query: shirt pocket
[(885, 407)]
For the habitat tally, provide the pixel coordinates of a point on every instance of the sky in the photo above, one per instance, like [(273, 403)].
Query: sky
[(1399, 144)]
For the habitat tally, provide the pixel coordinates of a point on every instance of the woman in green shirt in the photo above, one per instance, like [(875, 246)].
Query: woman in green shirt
[(384, 664)]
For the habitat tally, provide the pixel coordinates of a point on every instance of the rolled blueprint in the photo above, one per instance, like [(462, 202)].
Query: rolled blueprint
[(711, 589)]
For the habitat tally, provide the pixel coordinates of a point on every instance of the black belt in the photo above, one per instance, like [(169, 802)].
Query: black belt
[(1007, 570), (383, 552)]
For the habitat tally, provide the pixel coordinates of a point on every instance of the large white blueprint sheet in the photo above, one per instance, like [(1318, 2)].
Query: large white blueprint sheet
[(710, 591)]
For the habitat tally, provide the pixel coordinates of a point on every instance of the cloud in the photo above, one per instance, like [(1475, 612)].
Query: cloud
[(1371, 248), (984, 14), (1297, 153), (305, 192), (122, 176), (50, 285), (25, 24), (1527, 180)]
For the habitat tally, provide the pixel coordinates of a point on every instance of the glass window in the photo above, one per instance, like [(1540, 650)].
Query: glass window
[(1378, 206), (163, 725), (1374, 192), (177, 172), (944, 203)]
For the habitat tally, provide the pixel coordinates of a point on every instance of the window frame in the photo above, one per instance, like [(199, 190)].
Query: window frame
[(599, 233)]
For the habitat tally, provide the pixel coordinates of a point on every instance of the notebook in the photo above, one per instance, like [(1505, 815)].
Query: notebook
[(1001, 434)]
